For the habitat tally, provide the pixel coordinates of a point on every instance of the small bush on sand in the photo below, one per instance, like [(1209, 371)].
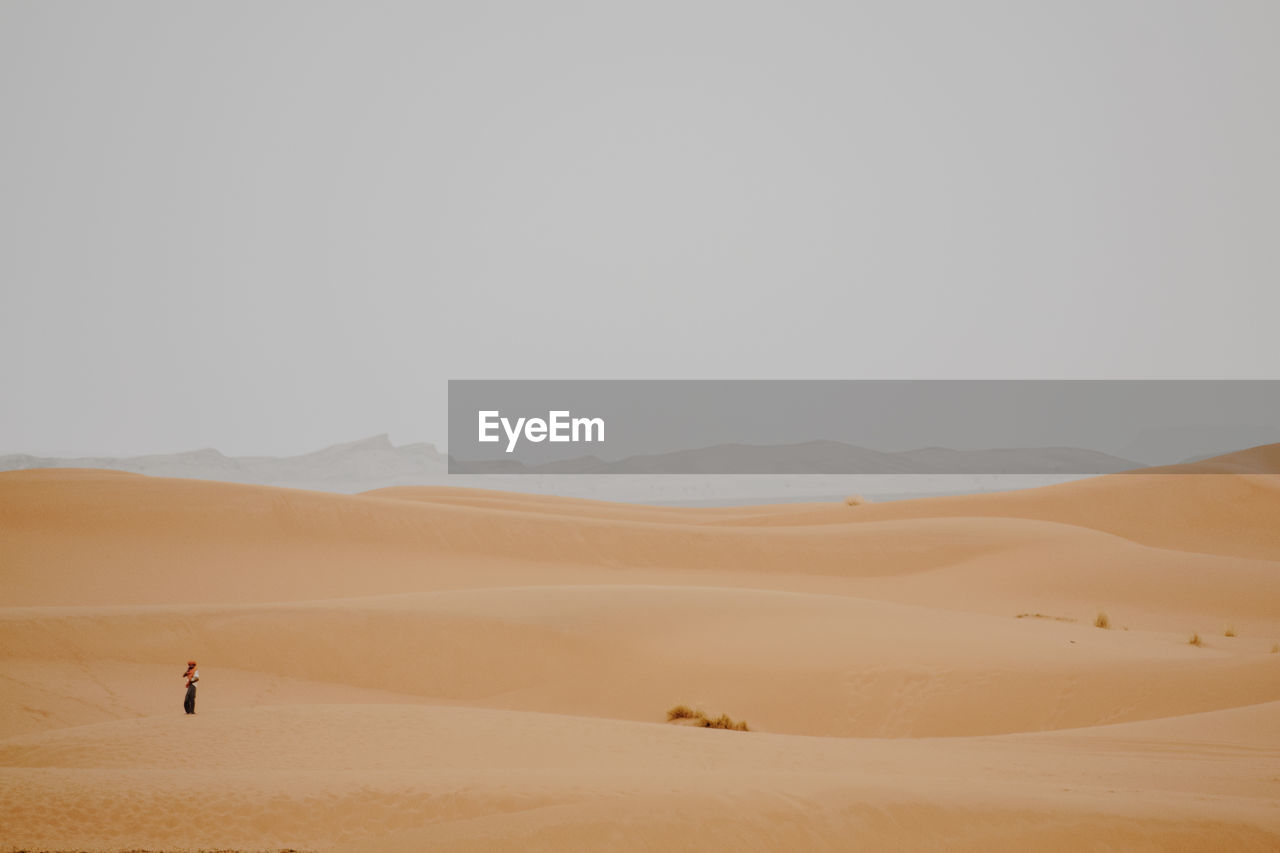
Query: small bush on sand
[(724, 721), (1230, 631), (1102, 620), (855, 500), (1195, 639)]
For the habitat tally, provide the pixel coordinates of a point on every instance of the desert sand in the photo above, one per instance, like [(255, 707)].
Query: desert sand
[(456, 669)]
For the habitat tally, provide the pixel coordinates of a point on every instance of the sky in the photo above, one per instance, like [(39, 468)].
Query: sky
[(270, 227)]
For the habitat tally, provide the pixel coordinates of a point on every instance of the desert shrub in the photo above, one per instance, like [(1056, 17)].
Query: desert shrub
[(855, 500), (1230, 631), (1195, 639), (724, 721), (1102, 620)]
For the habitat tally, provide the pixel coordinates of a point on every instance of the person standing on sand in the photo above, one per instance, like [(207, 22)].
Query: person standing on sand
[(192, 675)]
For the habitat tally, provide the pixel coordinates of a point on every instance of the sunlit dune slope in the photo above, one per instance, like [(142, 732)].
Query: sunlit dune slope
[(1226, 505), (380, 777), (828, 665), (139, 539)]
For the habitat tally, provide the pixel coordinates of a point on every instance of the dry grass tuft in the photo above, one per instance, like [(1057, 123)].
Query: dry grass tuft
[(1045, 616), (1195, 639), (724, 721), (1102, 620), (1229, 631), (855, 500)]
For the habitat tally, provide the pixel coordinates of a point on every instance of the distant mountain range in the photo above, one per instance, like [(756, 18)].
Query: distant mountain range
[(816, 470), (355, 466), (375, 462)]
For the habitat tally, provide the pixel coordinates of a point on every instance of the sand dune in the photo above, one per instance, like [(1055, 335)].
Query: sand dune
[(423, 667), (835, 665), (467, 779)]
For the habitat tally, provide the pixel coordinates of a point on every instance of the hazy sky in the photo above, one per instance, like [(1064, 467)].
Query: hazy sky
[(268, 227)]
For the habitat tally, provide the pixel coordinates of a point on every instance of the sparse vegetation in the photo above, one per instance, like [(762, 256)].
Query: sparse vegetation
[(1275, 648), (724, 721), (1045, 616), (1102, 620), (1230, 631), (1195, 639), (855, 500)]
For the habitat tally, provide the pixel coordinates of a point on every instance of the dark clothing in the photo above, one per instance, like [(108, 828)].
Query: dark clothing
[(189, 704)]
